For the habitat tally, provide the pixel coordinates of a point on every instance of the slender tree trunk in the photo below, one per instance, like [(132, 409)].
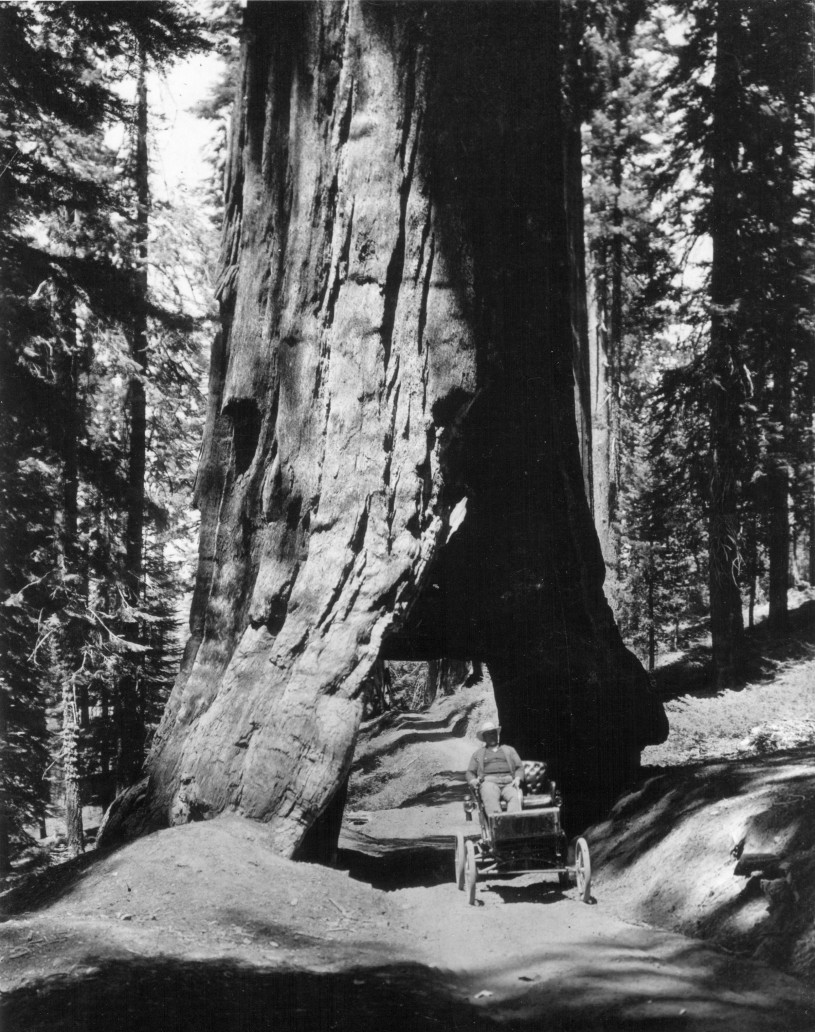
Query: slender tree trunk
[(64, 632), (652, 643), (75, 832), (751, 568), (778, 532), (573, 200), (604, 484), (811, 453), (780, 458), (391, 465), (795, 554), (432, 683), (69, 760), (131, 732), (811, 569), (726, 621), (5, 855), (107, 786), (607, 325)]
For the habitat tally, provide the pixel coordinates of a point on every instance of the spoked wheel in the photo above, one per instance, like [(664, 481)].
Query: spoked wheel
[(470, 872), (460, 860), (582, 868)]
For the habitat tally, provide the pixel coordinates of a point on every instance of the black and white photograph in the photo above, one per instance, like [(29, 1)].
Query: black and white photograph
[(407, 507)]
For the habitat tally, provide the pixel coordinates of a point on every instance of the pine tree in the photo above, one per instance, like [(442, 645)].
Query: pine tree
[(68, 298), (777, 157), (631, 268), (743, 110)]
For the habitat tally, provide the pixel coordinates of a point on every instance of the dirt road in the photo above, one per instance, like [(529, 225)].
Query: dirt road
[(530, 953), (201, 928)]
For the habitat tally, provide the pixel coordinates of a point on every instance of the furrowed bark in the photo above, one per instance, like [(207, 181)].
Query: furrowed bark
[(391, 464)]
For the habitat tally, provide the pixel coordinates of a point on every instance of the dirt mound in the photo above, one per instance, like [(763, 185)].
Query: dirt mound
[(668, 853), (199, 891), (202, 928)]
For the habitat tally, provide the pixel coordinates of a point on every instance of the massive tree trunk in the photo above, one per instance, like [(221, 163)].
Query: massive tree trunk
[(391, 464), (726, 620)]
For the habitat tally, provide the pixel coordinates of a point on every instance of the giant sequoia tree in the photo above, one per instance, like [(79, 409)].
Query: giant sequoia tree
[(391, 463)]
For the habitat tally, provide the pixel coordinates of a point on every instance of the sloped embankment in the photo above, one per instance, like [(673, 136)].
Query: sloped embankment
[(668, 853), (665, 857)]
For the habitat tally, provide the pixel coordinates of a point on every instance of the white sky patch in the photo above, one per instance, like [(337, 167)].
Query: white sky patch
[(180, 138)]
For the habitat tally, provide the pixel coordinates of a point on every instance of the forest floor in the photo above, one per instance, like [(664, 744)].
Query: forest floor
[(202, 928)]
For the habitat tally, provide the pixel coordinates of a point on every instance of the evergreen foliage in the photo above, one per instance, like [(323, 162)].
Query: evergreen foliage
[(69, 287), (684, 407)]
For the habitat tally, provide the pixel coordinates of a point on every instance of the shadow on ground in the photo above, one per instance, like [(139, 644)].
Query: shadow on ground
[(399, 866), (451, 791), (165, 995), (544, 891), (170, 996), (765, 650), (694, 823), (44, 887)]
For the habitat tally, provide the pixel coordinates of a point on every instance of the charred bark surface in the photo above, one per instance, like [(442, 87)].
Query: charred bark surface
[(396, 299)]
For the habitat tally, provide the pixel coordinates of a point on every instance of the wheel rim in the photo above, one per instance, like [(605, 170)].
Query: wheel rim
[(460, 860), (470, 872), (582, 865)]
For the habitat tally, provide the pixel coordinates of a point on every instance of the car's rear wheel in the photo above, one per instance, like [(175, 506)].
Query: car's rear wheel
[(582, 867), (470, 872)]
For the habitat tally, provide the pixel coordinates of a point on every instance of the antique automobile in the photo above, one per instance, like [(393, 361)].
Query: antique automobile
[(529, 841)]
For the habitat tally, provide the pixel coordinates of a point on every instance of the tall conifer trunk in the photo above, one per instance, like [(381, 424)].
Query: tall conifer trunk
[(726, 620), (130, 724), (778, 488), (5, 808), (64, 632), (391, 464), (606, 333), (572, 88), (781, 447)]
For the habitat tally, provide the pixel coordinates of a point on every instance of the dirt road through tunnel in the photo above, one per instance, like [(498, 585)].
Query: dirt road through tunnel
[(202, 928)]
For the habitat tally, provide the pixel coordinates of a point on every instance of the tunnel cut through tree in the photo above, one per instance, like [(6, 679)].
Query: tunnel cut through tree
[(391, 464)]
